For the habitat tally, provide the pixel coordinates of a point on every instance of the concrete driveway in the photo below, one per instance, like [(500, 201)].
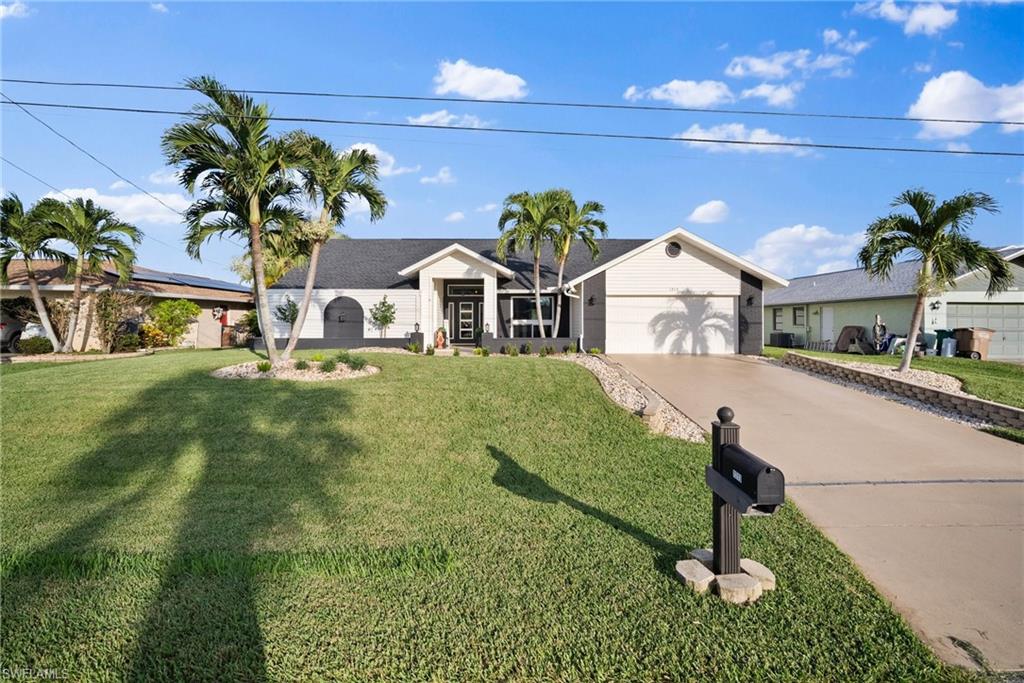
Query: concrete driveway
[(931, 511)]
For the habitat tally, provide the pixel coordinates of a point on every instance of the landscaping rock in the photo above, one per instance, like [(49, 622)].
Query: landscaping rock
[(703, 555), (288, 371), (695, 575), (759, 572), (739, 589)]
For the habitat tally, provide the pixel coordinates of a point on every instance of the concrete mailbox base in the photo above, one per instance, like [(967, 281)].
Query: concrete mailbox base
[(740, 589)]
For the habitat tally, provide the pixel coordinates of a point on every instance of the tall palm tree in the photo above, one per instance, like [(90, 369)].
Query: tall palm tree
[(527, 222), (576, 223), (27, 236), (937, 237), (334, 179), (99, 237), (227, 150)]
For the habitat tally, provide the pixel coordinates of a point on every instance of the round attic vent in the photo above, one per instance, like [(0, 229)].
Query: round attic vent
[(673, 249)]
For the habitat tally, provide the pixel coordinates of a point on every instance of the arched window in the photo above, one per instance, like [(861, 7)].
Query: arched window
[(343, 319)]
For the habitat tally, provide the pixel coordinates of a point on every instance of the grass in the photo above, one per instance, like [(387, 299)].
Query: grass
[(493, 519), (990, 380)]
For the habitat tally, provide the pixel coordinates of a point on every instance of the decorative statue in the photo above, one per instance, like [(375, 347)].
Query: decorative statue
[(878, 333), (439, 338)]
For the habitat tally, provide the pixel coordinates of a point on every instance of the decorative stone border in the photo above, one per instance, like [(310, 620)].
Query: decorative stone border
[(970, 407)]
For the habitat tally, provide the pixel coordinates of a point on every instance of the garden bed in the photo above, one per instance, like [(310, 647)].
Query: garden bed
[(286, 370)]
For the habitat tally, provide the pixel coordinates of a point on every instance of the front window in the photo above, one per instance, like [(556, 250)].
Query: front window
[(524, 316), (799, 318), (777, 319)]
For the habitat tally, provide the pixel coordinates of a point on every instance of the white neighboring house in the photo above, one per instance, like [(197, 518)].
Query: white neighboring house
[(676, 293)]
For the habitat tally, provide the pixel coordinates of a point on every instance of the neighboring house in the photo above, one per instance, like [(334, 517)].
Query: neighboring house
[(222, 303), (676, 293), (815, 308)]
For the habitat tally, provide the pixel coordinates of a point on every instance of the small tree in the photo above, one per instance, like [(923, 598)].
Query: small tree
[(287, 312), (172, 318), (115, 308), (383, 315)]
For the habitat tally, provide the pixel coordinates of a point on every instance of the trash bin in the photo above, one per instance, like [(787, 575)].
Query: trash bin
[(973, 341), (948, 349), (940, 336)]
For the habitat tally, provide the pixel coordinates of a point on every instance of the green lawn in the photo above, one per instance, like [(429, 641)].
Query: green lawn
[(447, 519), (990, 380)]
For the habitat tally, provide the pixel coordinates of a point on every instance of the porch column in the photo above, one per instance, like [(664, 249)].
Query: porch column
[(491, 304), (426, 313)]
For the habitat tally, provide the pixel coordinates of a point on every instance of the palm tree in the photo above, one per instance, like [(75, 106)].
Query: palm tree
[(98, 237), (527, 221), (576, 222), (937, 237), (227, 150), (335, 179), (26, 236)]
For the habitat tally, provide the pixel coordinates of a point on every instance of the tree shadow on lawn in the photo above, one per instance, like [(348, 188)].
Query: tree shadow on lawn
[(250, 457), (512, 477)]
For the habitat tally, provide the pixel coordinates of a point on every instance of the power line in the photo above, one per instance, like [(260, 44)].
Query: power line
[(532, 131), (70, 198), (531, 103)]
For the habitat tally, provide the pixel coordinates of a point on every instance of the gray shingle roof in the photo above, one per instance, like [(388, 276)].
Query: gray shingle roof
[(847, 285), (374, 263)]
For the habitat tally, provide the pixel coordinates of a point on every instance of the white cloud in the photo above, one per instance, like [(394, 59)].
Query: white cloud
[(386, 163), (738, 131), (158, 7), (444, 177), (714, 211), (132, 208), (781, 64), (848, 43), (956, 44), (775, 95), (444, 118), (799, 249), (1017, 179), (119, 185), (723, 46), (922, 67), (487, 208), (958, 147), (478, 82), (959, 95), (684, 93), (926, 18), (164, 176), (14, 10), (454, 217)]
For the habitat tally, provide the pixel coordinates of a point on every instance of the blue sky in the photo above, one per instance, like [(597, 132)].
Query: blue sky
[(793, 213)]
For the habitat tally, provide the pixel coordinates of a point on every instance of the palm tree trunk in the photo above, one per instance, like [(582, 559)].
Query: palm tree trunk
[(259, 283), (915, 325), (76, 304), (536, 293), (37, 299), (558, 301), (307, 295)]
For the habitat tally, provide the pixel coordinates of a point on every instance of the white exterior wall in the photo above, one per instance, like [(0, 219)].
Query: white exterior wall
[(406, 301), (454, 267), (697, 325), (653, 272)]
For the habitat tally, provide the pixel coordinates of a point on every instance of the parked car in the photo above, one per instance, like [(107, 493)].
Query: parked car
[(10, 333)]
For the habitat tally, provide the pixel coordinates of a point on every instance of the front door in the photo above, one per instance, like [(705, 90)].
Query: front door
[(466, 321), (826, 323)]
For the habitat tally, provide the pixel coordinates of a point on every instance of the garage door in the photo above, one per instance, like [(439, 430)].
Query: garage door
[(673, 324), (1006, 319)]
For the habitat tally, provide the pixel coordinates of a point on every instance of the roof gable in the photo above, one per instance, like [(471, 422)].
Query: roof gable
[(455, 248)]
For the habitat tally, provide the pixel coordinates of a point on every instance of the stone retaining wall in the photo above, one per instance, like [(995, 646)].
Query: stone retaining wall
[(967, 406)]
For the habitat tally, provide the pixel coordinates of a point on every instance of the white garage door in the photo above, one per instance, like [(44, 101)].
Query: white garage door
[(671, 324), (1006, 319)]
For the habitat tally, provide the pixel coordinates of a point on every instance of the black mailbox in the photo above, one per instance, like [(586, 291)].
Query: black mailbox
[(763, 483)]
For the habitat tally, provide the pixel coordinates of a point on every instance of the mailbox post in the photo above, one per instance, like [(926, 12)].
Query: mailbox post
[(725, 519)]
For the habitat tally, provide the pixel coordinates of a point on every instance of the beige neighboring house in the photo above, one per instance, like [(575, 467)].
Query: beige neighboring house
[(222, 303)]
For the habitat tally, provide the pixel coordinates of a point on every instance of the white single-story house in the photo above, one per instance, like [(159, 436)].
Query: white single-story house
[(815, 308), (676, 293)]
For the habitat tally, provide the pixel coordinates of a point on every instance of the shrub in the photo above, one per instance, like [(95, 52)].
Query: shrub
[(287, 311), (249, 323), (356, 362), (152, 336), (382, 314), (317, 357), (116, 309), (328, 365), (593, 350), (527, 348), (172, 318), (35, 345), (302, 364), (478, 351), (342, 356), (413, 346), (511, 350), (264, 366), (430, 351), (485, 352), (570, 348), (126, 342), (543, 351), (455, 351)]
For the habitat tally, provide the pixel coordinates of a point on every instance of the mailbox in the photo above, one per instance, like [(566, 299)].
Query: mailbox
[(763, 483)]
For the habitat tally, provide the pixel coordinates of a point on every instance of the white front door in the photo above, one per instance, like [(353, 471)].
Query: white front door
[(826, 323)]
